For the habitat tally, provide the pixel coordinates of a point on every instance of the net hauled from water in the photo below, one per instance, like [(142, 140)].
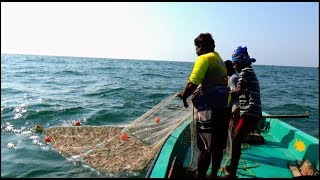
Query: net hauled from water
[(101, 148)]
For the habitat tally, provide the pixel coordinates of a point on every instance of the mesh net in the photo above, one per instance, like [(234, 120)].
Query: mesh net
[(101, 147)]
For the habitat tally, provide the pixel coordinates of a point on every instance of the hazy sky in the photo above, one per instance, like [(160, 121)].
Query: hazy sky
[(275, 33)]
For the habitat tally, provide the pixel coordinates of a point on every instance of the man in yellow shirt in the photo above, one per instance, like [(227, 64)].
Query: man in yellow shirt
[(208, 86)]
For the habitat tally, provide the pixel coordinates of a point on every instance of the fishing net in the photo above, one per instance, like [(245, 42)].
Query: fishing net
[(114, 149)]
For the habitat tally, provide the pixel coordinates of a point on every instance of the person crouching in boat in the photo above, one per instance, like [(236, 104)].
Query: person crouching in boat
[(207, 84), (248, 92)]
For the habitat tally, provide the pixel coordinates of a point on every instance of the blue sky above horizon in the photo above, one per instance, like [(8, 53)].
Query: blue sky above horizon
[(275, 33)]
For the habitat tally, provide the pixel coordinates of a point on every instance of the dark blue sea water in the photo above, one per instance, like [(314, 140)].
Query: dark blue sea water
[(56, 91)]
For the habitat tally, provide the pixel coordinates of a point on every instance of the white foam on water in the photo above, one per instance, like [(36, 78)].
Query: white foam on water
[(45, 148), (26, 132), (11, 145), (17, 116), (9, 128), (34, 137), (17, 130)]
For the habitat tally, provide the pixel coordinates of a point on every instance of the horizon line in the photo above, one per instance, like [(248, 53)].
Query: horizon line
[(136, 59)]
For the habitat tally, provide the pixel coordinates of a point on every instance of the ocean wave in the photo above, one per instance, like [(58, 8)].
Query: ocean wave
[(69, 72), (104, 92), (153, 75), (49, 113), (11, 90), (103, 117)]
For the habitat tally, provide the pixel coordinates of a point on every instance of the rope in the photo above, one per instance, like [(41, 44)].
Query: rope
[(244, 146), (229, 144), (244, 161), (247, 168), (192, 138)]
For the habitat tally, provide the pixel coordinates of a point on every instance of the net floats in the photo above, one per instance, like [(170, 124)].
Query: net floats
[(157, 119), (38, 128), (47, 139), (124, 136)]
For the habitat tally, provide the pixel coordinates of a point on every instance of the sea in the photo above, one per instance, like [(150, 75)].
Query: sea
[(57, 91)]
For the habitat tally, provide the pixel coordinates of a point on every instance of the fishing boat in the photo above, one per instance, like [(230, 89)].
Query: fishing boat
[(282, 153)]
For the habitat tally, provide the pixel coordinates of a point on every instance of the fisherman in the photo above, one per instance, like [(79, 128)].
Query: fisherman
[(248, 92), (207, 84), (233, 77)]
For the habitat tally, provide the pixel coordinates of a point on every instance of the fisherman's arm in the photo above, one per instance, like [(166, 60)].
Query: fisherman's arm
[(236, 92), (188, 90), (197, 74), (241, 85)]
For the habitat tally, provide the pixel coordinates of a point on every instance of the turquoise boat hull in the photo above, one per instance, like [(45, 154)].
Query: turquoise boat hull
[(282, 144)]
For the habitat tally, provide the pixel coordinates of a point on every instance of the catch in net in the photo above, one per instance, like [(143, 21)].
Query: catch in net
[(103, 148)]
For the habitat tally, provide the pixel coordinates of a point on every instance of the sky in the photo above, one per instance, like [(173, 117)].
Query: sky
[(275, 33)]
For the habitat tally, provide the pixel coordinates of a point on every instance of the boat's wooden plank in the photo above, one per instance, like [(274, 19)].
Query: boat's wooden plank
[(295, 170), (286, 115)]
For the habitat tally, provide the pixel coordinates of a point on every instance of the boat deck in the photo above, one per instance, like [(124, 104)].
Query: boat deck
[(257, 161), (283, 144)]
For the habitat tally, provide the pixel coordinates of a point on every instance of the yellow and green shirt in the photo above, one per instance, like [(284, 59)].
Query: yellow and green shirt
[(208, 68)]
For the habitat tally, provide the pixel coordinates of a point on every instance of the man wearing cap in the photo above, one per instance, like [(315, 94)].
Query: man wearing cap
[(248, 92)]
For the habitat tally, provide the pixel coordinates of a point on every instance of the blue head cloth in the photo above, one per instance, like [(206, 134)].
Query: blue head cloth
[(241, 55)]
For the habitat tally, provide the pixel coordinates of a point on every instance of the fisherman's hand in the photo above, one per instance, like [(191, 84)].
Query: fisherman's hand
[(188, 90), (179, 94), (235, 110), (231, 123), (185, 103)]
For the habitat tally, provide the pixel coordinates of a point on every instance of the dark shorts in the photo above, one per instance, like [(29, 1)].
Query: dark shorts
[(217, 97), (213, 134)]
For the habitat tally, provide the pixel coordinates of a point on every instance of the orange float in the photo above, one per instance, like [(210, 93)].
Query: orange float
[(48, 139), (157, 119), (123, 136)]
